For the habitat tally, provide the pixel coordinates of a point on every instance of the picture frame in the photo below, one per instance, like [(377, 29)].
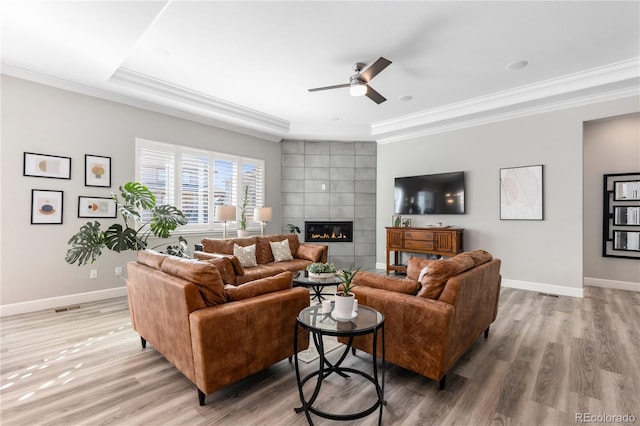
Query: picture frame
[(521, 193), (46, 207), (621, 215), (97, 171), (406, 223), (396, 221), (97, 207), (46, 166), (626, 190)]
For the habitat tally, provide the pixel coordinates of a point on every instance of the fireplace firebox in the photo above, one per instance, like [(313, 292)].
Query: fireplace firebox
[(334, 232)]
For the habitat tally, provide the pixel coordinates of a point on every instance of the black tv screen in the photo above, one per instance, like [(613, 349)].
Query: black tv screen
[(441, 193)]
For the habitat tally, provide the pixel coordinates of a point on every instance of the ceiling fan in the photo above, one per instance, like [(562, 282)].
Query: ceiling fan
[(358, 83)]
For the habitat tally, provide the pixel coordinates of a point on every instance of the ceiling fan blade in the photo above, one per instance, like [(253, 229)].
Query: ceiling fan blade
[(337, 86), (375, 68), (375, 96)]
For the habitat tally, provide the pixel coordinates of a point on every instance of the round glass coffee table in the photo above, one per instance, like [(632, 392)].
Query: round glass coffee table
[(365, 321), (316, 284)]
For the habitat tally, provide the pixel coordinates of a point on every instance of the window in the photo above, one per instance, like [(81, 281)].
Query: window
[(195, 181)]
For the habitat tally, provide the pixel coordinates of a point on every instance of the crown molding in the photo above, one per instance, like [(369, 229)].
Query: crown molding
[(405, 127), (257, 131)]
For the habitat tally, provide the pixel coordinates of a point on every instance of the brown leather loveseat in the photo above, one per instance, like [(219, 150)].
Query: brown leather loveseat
[(431, 320), (214, 334), (302, 255)]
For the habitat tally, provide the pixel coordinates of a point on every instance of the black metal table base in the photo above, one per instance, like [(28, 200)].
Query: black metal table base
[(326, 368)]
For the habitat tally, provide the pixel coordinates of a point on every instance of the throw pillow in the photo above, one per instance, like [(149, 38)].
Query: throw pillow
[(423, 273), (369, 279), (281, 251), (282, 281), (309, 252), (439, 272), (246, 255), (151, 258), (415, 265)]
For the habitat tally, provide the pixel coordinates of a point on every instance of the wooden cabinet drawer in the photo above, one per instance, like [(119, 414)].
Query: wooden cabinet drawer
[(418, 235), (418, 245)]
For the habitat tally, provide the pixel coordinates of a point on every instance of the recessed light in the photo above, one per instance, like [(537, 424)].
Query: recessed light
[(161, 51), (513, 66), (405, 98)]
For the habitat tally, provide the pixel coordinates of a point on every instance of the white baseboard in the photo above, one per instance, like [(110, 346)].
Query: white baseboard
[(618, 285), (57, 302), (544, 288)]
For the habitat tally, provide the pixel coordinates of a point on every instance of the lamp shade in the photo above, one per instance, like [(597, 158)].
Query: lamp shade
[(262, 214), (224, 213)]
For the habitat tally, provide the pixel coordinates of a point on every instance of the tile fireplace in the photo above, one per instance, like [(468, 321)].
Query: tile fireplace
[(327, 231)]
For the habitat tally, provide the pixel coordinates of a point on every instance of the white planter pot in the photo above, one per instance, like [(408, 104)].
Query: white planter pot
[(344, 306), (321, 275), (243, 233)]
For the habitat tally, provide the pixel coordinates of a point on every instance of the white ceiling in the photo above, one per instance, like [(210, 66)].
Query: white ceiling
[(247, 65)]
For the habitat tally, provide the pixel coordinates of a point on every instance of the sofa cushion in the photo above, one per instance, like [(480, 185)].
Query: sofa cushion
[(439, 271), (479, 256), (415, 265), (224, 266), (246, 255), (282, 281), (237, 267), (211, 245), (201, 273), (281, 251), (369, 279), (264, 253), (151, 258), (309, 252)]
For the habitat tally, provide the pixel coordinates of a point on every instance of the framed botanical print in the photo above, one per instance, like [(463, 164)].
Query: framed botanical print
[(97, 170)]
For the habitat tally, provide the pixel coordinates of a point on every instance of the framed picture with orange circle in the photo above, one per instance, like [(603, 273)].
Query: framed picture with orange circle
[(97, 171), (46, 207)]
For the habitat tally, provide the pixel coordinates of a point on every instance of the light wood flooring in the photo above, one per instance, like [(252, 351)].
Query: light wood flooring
[(546, 359)]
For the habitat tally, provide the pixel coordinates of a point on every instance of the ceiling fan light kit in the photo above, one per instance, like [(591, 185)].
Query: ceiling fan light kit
[(359, 82)]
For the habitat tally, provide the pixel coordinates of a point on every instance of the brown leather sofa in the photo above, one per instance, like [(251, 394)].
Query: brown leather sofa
[(430, 323), (214, 334), (303, 254)]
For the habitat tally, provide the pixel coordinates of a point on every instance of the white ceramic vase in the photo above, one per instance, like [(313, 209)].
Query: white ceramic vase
[(344, 306), (243, 233)]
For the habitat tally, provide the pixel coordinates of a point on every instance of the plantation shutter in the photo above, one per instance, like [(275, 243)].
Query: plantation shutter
[(253, 175), (194, 186), (225, 182), (156, 171)]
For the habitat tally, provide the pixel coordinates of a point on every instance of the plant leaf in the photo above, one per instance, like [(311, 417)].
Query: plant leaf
[(128, 212), (118, 239), (138, 195), (165, 219), (86, 245)]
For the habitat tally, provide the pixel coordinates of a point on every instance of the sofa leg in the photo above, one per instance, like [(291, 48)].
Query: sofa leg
[(443, 382), (290, 358), (143, 342), (353, 351), (201, 396), (486, 333)]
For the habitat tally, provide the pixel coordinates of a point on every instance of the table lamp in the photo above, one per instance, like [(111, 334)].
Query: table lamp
[(223, 214), (262, 214)]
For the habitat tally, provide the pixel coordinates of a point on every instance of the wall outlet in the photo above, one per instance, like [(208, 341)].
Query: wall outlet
[(93, 274), (118, 271)]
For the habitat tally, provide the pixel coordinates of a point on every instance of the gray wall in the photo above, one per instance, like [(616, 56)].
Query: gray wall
[(544, 255), (610, 146), (348, 172), (42, 119)]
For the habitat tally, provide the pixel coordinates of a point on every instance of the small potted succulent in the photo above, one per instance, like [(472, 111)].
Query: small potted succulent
[(344, 298), (321, 270)]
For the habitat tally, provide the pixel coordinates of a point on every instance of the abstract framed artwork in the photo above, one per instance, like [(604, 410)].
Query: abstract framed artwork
[(521, 193), (46, 207), (46, 166), (396, 220), (97, 170), (104, 207)]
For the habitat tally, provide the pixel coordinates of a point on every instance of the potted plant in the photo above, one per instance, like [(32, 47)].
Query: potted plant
[(344, 298), (293, 228), (242, 230), (321, 270), (87, 244)]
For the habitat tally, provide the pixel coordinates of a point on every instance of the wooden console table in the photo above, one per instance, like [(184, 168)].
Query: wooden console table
[(440, 241)]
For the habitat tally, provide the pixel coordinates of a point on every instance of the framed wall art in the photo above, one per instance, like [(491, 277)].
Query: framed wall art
[(46, 166), (406, 223), (396, 220), (46, 207), (521, 193), (104, 207), (97, 170), (621, 215)]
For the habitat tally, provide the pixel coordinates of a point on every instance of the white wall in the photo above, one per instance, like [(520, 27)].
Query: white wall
[(539, 255), (610, 146), (41, 119)]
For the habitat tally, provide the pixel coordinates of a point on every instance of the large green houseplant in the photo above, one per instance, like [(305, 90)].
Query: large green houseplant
[(242, 229), (87, 244)]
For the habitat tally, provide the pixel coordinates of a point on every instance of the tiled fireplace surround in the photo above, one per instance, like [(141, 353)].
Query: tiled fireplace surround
[(332, 181)]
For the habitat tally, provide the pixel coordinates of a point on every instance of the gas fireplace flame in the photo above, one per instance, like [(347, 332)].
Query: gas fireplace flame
[(333, 236)]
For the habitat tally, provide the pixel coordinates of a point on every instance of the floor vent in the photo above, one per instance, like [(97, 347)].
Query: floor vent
[(67, 308), (547, 294)]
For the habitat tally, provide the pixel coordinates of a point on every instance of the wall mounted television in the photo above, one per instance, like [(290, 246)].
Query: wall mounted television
[(441, 193)]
